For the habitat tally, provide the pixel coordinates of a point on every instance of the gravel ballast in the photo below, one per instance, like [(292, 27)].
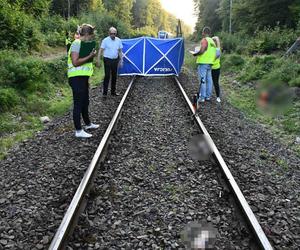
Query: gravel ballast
[(149, 188), (267, 172), (39, 176)]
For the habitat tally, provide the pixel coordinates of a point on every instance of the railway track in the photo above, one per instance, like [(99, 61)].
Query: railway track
[(81, 196)]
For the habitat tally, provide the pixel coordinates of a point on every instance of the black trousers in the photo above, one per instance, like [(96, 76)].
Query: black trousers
[(110, 67), (215, 73), (68, 47), (80, 89)]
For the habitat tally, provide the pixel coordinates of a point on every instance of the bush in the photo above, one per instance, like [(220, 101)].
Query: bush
[(233, 42), (232, 62), (29, 73), (270, 68), (295, 82), (54, 28), (19, 72), (269, 40), (256, 67), (103, 22), (57, 70), (8, 98), (55, 39), (36, 104), (285, 71), (144, 31), (18, 30)]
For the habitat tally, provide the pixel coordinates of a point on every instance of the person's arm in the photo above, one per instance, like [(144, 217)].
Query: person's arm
[(120, 57), (76, 61), (120, 54), (204, 45), (100, 53), (218, 53)]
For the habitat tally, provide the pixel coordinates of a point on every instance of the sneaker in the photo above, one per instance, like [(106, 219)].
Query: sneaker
[(218, 99), (115, 94), (82, 134), (207, 99), (202, 100), (92, 126)]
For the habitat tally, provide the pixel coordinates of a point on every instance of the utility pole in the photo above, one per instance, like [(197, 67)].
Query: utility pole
[(178, 29), (230, 17), (69, 7)]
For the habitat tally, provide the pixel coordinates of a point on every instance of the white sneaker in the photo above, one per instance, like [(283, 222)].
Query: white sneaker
[(82, 134), (218, 99), (92, 126)]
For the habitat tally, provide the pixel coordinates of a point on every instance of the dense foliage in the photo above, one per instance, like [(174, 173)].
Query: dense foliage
[(29, 25), (258, 26), (247, 16), (21, 76)]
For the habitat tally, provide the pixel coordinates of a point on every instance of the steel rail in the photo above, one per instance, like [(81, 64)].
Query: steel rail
[(254, 224), (64, 229)]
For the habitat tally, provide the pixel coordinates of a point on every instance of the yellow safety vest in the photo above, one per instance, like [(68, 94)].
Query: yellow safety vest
[(68, 41), (217, 63), (209, 56), (85, 69)]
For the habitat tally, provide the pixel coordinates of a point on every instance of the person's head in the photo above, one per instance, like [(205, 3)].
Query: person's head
[(216, 39), (112, 32), (76, 35), (86, 32), (206, 32)]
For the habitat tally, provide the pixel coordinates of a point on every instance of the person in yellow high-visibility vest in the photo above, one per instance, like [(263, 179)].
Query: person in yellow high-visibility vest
[(216, 67), (79, 71), (205, 59), (68, 41)]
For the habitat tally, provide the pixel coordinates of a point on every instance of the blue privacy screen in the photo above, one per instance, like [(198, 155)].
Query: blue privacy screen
[(148, 56)]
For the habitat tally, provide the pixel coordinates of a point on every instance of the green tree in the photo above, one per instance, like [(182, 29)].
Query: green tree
[(17, 29), (247, 16), (262, 13), (121, 9), (33, 7), (208, 15)]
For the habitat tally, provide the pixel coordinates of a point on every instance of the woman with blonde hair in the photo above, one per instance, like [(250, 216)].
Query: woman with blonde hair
[(79, 71), (216, 67)]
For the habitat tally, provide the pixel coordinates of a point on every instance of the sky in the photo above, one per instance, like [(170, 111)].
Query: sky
[(183, 9)]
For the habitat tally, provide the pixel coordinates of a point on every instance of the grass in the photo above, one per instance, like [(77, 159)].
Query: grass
[(249, 73), (22, 121), (284, 125)]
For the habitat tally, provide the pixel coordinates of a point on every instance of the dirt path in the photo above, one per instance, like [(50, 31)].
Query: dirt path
[(49, 54)]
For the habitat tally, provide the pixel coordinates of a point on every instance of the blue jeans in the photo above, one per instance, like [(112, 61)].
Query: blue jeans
[(204, 73)]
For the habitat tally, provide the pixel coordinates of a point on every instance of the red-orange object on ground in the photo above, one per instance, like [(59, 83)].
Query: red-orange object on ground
[(263, 99), (195, 102)]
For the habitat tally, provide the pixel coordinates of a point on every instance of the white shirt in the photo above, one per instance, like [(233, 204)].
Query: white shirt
[(111, 47)]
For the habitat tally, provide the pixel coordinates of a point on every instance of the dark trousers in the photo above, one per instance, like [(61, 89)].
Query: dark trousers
[(110, 67), (215, 73), (68, 47), (80, 89)]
